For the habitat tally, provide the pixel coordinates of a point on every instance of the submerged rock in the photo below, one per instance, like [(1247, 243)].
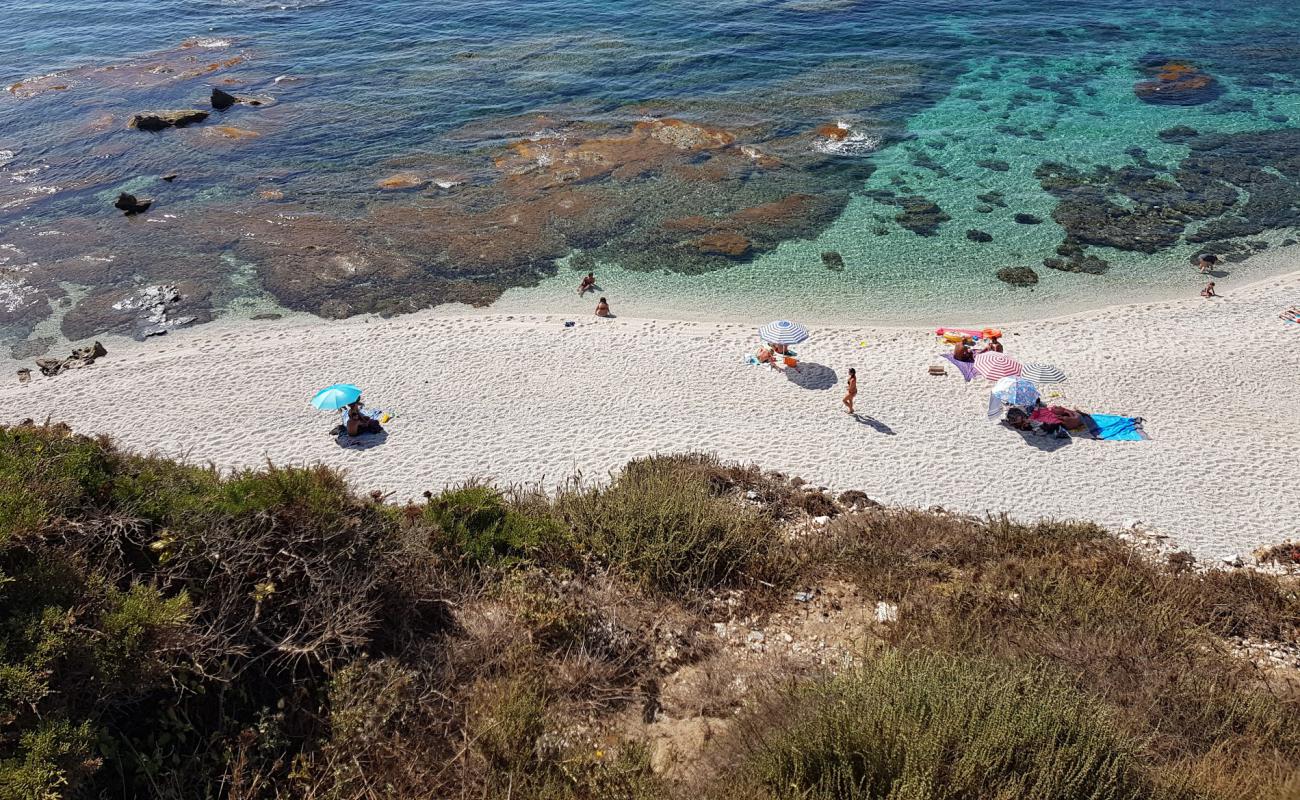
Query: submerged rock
[(1028, 219), (921, 215), (833, 261), (976, 235), (1018, 276), (994, 164), (161, 120), (732, 245), (1175, 82), (130, 205), (1179, 134)]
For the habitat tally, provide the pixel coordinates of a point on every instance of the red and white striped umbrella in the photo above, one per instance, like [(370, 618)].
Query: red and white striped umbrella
[(996, 366)]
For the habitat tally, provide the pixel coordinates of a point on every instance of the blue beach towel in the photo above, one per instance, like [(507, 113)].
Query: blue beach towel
[(966, 368), (1114, 428)]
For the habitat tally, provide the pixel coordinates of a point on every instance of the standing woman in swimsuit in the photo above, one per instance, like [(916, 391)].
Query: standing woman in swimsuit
[(853, 390)]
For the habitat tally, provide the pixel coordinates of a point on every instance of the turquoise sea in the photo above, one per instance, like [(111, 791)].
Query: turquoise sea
[(828, 159)]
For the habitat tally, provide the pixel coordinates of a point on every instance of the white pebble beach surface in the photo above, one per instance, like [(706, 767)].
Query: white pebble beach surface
[(523, 399)]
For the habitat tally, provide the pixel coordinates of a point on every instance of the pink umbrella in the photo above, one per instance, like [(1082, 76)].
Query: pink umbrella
[(996, 366)]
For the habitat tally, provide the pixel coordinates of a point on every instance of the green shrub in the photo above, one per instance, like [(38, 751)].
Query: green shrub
[(47, 472), (481, 526), (922, 727), (55, 756), (661, 523)]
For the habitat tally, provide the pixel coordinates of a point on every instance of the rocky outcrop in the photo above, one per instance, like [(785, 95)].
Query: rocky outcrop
[(192, 59), (221, 100), (920, 215), (1175, 82), (1179, 134), (161, 120), (976, 235), (81, 357), (130, 205), (833, 261), (1018, 276), (729, 244)]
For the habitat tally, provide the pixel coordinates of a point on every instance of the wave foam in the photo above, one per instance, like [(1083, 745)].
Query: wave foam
[(856, 144)]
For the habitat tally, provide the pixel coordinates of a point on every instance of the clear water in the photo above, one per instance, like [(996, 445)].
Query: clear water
[(367, 90)]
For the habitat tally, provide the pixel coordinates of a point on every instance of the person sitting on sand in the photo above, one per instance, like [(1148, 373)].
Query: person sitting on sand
[(356, 421), (602, 308), (993, 344), (588, 283), (1207, 262), (961, 349), (852, 390), (1208, 291)]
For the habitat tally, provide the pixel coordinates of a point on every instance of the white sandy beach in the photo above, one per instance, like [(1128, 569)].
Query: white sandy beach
[(521, 398)]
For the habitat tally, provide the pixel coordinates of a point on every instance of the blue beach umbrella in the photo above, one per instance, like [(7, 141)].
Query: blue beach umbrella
[(332, 398), (1016, 392), (783, 332)]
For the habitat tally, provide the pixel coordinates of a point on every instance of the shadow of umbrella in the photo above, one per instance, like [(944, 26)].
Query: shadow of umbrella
[(811, 375)]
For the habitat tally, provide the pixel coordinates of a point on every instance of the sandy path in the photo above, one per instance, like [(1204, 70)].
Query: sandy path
[(523, 399)]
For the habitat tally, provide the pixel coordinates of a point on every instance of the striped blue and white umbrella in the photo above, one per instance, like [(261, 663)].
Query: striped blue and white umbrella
[(332, 398), (1016, 392), (1039, 372), (783, 332)]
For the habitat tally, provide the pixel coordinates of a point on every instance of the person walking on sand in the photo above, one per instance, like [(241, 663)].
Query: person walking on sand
[(602, 308), (1208, 291), (1208, 260), (852, 391), (588, 283)]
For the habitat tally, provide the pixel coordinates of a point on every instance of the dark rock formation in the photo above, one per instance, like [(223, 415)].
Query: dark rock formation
[(1089, 264), (1179, 134), (130, 205), (993, 199), (1175, 82), (976, 235), (1028, 219), (171, 176), (222, 100), (984, 209), (1018, 276), (920, 215), (160, 120), (81, 357), (833, 261), (996, 165)]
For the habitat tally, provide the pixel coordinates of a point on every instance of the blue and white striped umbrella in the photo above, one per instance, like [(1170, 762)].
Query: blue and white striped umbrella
[(783, 332), (1038, 372), (1016, 392), (332, 398)]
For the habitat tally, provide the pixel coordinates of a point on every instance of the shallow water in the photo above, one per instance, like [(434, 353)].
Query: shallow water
[(356, 92)]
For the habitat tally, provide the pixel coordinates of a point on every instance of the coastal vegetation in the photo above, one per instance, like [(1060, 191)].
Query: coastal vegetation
[(172, 630)]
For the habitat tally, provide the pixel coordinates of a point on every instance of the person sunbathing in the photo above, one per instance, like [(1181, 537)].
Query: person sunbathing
[(767, 355), (357, 421), (602, 308), (962, 351), (588, 283)]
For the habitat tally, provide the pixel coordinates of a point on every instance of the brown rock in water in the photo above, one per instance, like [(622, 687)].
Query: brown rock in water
[(732, 245), (271, 194), (401, 181), (130, 205), (161, 120), (193, 58), (222, 100), (231, 132), (1018, 276), (1176, 83), (832, 130)]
